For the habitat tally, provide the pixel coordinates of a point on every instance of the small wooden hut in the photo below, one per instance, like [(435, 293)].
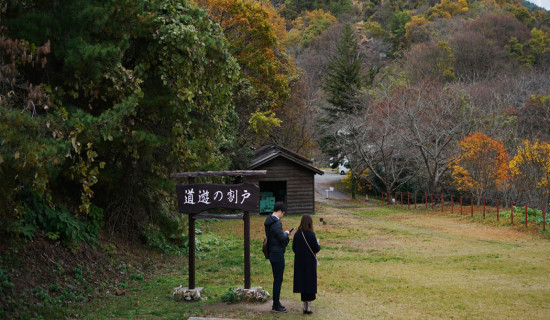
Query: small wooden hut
[(290, 178)]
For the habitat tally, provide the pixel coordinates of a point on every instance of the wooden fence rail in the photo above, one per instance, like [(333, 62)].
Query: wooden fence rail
[(449, 202)]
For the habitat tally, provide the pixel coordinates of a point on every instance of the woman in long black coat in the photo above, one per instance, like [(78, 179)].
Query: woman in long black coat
[(305, 246)]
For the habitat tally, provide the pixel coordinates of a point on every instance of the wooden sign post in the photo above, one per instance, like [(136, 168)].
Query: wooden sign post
[(195, 198)]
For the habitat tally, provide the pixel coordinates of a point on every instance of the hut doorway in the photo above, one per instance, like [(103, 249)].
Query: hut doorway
[(271, 192)]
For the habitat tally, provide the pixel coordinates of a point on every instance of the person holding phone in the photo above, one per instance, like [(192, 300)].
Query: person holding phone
[(277, 241), (305, 246)]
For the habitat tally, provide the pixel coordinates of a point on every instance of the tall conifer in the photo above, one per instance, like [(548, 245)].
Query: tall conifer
[(343, 76)]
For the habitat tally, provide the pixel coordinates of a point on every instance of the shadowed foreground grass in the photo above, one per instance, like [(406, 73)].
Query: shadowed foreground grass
[(376, 263)]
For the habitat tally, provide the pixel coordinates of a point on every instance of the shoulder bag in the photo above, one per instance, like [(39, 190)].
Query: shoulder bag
[(265, 248), (318, 264)]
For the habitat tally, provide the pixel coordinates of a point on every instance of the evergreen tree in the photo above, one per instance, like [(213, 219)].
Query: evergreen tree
[(341, 83), (343, 77)]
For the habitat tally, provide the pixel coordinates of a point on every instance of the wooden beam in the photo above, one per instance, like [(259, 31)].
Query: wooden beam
[(246, 219), (234, 173), (218, 216)]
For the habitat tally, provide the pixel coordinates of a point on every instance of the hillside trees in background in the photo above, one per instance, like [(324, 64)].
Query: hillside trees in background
[(533, 52), (297, 128), (480, 50), (311, 62), (396, 27), (534, 119), (431, 118), (307, 27), (486, 58), (291, 9), (137, 90), (433, 61), (375, 143), (446, 9)]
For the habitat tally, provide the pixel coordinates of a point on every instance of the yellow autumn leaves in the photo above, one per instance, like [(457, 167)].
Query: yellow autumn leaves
[(483, 163)]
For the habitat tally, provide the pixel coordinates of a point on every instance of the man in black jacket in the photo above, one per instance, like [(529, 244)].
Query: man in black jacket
[(277, 242)]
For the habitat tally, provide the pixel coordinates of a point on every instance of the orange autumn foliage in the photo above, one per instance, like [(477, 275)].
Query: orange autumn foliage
[(481, 164), (256, 33)]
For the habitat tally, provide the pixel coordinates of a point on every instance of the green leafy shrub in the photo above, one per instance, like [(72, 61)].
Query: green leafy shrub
[(207, 241), (43, 295), (167, 240), (533, 215), (5, 282), (58, 222), (231, 296)]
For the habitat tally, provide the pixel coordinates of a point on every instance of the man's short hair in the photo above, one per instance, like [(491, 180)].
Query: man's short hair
[(279, 206)]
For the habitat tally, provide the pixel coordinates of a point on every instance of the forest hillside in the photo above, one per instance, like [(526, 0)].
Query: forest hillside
[(100, 100)]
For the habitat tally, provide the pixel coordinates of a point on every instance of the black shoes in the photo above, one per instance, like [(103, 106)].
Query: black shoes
[(280, 308), (307, 307)]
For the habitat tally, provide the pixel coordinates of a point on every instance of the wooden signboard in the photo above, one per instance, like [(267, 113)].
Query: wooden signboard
[(195, 198)]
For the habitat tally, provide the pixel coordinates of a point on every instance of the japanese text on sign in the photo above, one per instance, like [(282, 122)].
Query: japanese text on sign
[(194, 198)]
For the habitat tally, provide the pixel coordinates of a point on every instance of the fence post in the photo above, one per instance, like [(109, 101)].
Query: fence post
[(401, 198), (452, 203), (543, 217), (498, 215), (442, 202), (426, 201), (432, 200), (472, 204), (526, 216), (408, 202), (415, 200), (484, 208), (460, 205), (511, 212)]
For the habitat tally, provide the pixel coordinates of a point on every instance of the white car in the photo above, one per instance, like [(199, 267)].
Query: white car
[(343, 168)]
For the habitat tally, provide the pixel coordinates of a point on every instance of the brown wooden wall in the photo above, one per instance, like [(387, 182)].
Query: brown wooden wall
[(300, 187)]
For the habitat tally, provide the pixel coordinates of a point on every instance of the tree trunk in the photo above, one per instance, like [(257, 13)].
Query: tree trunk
[(353, 186)]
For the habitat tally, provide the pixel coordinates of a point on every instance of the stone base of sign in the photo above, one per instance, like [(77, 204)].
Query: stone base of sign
[(253, 294), (183, 293)]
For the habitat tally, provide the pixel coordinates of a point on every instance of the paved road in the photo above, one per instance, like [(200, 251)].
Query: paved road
[(324, 182)]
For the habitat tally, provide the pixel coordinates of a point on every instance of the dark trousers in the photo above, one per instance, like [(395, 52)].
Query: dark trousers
[(278, 266)]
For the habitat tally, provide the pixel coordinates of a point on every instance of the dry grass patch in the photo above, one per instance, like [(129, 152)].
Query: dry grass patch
[(460, 226), (376, 263)]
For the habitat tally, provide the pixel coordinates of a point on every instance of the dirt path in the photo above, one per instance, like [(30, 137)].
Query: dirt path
[(324, 182)]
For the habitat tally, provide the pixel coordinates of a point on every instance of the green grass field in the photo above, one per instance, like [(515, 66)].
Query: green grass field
[(376, 263)]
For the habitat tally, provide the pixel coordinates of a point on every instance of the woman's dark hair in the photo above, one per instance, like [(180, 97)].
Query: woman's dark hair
[(306, 224)]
